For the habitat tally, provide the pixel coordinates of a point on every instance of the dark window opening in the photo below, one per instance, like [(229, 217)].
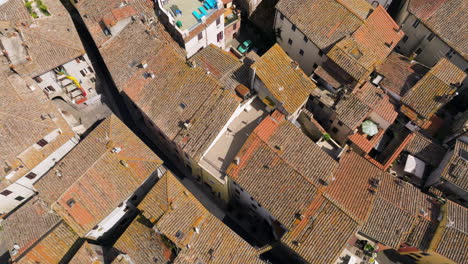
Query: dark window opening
[(200, 36), (293, 28), (71, 202), (320, 53), (340, 123), (430, 37), (6, 192), (405, 38), (335, 130), (31, 175), (42, 142), (290, 41), (306, 39), (416, 24), (301, 52), (19, 198), (281, 16)]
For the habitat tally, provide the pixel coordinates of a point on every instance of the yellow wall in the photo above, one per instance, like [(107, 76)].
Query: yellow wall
[(433, 257)]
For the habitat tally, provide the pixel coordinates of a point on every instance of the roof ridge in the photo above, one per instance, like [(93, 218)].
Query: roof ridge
[(351, 11)]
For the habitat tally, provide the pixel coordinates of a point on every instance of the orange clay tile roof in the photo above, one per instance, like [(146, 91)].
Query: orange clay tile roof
[(86, 254), (22, 124), (27, 225), (426, 149), (141, 243), (283, 79), (322, 235), (446, 18), (92, 164), (363, 142), (93, 13), (177, 94), (351, 111), (176, 213), (226, 67), (58, 246), (454, 240), (426, 96), (51, 41), (400, 74), (456, 171), (325, 22), (377, 100), (350, 189), (278, 149), (395, 211)]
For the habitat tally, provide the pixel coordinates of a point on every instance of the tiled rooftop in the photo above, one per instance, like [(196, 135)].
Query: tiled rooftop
[(325, 22), (446, 19), (176, 213), (279, 148), (400, 74), (27, 117), (456, 171), (283, 78), (92, 163), (433, 90), (426, 149)]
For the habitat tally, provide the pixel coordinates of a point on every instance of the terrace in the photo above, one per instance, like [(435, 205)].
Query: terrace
[(183, 11), (217, 159)]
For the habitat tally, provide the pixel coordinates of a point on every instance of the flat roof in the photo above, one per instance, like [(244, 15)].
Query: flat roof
[(224, 150), (186, 8)]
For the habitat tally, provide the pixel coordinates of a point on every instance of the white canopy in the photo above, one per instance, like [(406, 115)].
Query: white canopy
[(415, 166)]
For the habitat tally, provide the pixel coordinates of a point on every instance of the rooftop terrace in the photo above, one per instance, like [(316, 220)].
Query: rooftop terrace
[(182, 10), (217, 159)]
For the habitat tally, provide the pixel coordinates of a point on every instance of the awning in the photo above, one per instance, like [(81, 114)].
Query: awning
[(415, 166)]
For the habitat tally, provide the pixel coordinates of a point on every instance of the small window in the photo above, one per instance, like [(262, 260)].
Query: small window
[(315, 66), (293, 27), (234, 27), (416, 24), (42, 142), (281, 16), (218, 21), (301, 52), (340, 123), (93, 80), (418, 51), (335, 130), (200, 36), (430, 37), (405, 38), (321, 105), (38, 79), (31, 175), (19, 198), (237, 191), (71, 202), (50, 88), (449, 53), (254, 206), (90, 69), (320, 53), (220, 36), (290, 41), (182, 106), (6, 192), (83, 73), (306, 39)]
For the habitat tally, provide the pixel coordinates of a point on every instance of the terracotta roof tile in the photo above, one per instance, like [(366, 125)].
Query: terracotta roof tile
[(176, 213), (283, 79), (352, 111), (93, 164), (425, 149), (426, 97), (23, 125), (325, 22), (273, 149), (456, 171), (400, 74), (446, 18), (350, 189)]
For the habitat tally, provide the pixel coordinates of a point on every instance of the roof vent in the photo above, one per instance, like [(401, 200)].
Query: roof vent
[(144, 64), (116, 150), (187, 124), (281, 88), (197, 230), (58, 173), (423, 212), (237, 160), (192, 64), (188, 246), (299, 216), (266, 166), (278, 147), (389, 45), (450, 223), (295, 65), (150, 75), (124, 163), (15, 249)]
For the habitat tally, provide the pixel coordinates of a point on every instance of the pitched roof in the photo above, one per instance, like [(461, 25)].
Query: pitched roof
[(454, 239), (350, 189), (352, 111), (377, 100), (446, 18), (58, 246), (325, 22), (426, 149), (277, 147), (24, 125), (456, 171), (141, 243), (283, 78), (400, 74), (428, 95), (176, 213), (92, 164), (27, 225), (51, 40), (395, 212), (321, 236), (368, 46)]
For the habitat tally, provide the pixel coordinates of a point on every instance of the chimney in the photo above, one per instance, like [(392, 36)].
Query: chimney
[(237, 160), (192, 63), (144, 64)]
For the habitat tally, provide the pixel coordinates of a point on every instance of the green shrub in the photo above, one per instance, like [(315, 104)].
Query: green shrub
[(326, 136)]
